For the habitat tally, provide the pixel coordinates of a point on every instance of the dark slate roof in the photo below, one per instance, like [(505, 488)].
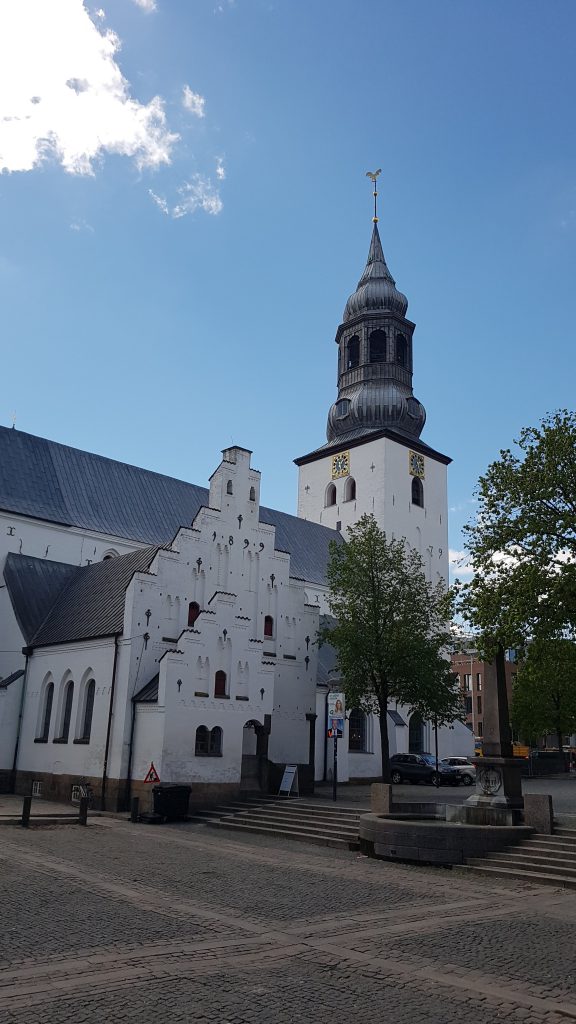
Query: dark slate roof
[(396, 717), (359, 435), (86, 603), (149, 693), (50, 481), (5, 683), (33, 585)]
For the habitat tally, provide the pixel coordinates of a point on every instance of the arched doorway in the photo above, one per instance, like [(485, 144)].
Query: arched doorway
[(254, 755), (416, 734)]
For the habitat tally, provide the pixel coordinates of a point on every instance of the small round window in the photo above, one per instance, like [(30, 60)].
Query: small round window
[(342, 408)]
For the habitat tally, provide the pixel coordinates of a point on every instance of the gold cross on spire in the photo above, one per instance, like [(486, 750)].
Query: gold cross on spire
[(373, 175)]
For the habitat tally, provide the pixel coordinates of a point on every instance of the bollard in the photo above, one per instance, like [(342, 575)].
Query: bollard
[(83, 811), (135, 809), (27, 804)]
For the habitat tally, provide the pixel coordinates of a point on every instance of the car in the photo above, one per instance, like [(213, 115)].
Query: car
[(421, 768), (464, 767)]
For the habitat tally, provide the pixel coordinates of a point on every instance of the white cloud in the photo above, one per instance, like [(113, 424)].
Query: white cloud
[(197, 194), (146, 5), (193, 101), (220, 169), (460, 563), (81, 225), (63, 96)]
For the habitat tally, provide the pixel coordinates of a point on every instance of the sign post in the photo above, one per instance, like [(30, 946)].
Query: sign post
[(336, 722)]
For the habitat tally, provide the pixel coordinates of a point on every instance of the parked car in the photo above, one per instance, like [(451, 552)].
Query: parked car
[(421, 768), (464, 767)]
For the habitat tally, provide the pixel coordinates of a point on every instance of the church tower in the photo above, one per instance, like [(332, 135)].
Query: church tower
[(374, 461)]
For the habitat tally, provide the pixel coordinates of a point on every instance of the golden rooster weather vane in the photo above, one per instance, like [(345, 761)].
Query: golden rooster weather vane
[(373, 175)]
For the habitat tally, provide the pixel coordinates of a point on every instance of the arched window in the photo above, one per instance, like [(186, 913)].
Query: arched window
[(353, 350), (357, 731), (415, 734), (111, 553), (350, 489), (46, 715), (268, 625), (220, 684), (330, 495), (216, 741), (66, 712), (202, 741), (417, 492), (193, 612), (378, 347), (252, 494), (401, 350), (86, 725), (229, 489)]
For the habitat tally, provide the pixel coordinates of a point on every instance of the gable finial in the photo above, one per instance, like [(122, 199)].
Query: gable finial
[(373, 175)]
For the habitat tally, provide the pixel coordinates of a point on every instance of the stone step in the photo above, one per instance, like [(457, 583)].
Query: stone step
[(296, 825), (542, 853), (304, 812), (569, 833), (301, 836), (487, 867), (551, 843), (527, 863), (280, 809)]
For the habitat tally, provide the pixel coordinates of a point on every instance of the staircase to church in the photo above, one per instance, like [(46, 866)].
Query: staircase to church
[(299, 820), (544, 859)]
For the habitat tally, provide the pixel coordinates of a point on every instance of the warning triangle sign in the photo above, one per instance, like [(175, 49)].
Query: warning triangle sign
[(152, 775)]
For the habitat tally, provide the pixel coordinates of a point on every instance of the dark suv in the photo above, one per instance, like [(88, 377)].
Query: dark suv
[(422, 768)]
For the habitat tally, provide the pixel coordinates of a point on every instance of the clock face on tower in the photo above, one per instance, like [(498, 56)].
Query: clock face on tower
[(340, 465), (416, 464)]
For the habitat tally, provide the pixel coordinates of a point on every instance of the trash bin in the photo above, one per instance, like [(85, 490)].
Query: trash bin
[(171, 802)]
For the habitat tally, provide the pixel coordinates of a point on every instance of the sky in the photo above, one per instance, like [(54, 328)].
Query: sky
[(184, 211)]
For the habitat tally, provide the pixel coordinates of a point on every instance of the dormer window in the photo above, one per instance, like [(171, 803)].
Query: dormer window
[(343, 408)]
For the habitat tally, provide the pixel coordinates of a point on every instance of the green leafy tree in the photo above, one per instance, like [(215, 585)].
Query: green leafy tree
[(544, 698), (391, 630), (522, 544)]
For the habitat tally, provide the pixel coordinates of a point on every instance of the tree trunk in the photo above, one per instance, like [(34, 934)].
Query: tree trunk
[(384, 744)]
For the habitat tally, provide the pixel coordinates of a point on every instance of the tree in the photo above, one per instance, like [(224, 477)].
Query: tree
[(522, 544), (544, 698), (391, 629)]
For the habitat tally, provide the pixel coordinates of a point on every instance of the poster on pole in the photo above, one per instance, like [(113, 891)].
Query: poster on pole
[(336, 715)]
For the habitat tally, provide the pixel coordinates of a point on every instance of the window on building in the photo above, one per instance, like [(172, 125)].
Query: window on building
[(378, 347), (342, 408), (88, 710), (220, 684), (66, 712), (330, 495), (479, 682), (268, 625), (252, 494), (467, 682), (401, 350), (350, 489), (479, 728), (46, 713), (216, 741), (357, 731), (202, 741), (468, 705), (353, 349), (479, 704), (193, 612), (229, 488), (417, 491)]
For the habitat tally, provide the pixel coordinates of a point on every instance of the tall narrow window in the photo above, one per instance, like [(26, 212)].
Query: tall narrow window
[(353, 350), (216, 741), (88, 711), (202, 740), (401, 350), (252, 494), (193, 612), (357, 731), (268, 625), (229, 489), (66, 712), (350, 489), (378, 347), (330, 495), (46, 713), (220, 684), (417, 492)]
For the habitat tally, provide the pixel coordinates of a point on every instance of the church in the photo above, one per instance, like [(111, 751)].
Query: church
[(151, 627)]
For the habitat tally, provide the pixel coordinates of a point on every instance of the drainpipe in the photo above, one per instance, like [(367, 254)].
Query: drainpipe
[(27, 651), (109, 726), (128, 789)]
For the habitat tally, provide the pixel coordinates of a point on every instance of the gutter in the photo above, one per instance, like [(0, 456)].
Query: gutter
[(109, 726)]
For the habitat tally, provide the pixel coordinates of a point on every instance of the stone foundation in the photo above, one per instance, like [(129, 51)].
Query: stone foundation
[(433, 842)]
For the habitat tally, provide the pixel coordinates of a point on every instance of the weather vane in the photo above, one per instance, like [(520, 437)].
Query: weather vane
[(373, 175)]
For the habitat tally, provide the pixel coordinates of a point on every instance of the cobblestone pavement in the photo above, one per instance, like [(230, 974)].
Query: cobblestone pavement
[(121, 923)]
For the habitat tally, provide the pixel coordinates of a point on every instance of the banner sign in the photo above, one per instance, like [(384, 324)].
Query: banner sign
[(289, 780), (336, 715)]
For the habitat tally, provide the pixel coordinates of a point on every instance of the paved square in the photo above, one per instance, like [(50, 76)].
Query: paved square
[(118, 922)]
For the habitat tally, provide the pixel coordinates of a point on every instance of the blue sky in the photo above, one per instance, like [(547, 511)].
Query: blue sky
[(175, 260)]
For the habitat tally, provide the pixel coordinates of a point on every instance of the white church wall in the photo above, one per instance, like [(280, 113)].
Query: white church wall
[(10, 700)]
